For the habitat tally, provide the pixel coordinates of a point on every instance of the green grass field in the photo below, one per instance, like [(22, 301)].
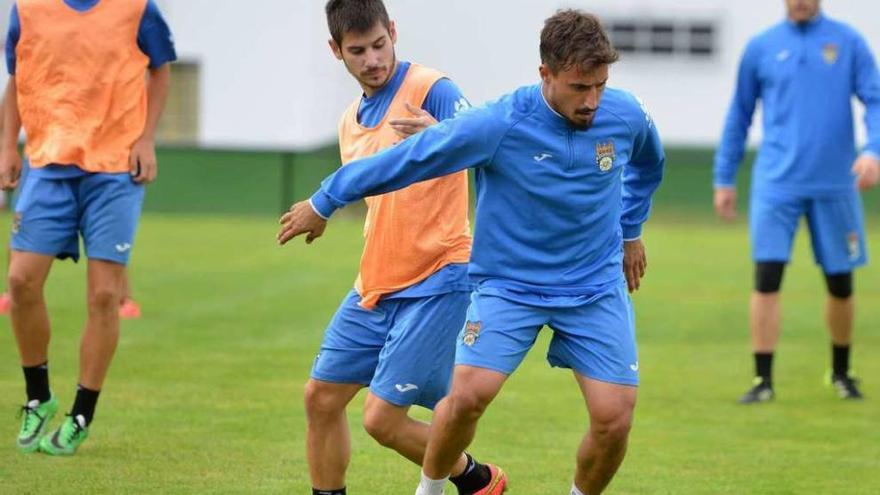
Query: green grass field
[(206, 390)]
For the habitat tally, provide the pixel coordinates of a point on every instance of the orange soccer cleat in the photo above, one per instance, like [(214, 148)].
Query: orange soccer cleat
[(129, 309), (5, 303), (497, 485)]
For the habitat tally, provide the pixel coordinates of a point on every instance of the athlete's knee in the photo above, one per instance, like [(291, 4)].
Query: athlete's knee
[(464, 403), (768, 276), (104, 298), (322, 400), (840, 285), (611, 430), (612, 421), (380, 425), (24, 286)]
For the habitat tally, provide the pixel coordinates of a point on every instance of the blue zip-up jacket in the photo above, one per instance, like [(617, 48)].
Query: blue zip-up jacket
[(553, 202), (805, 76)]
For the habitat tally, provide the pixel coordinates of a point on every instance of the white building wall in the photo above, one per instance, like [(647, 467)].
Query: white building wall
[(269, 80), (266, 79), (491, 46)]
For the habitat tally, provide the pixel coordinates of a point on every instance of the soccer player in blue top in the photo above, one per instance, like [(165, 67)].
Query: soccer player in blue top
[(805, 71), (395, 332), (88, 82), (565, 172)]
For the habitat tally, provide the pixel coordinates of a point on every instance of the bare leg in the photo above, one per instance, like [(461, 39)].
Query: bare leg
[(603, 448), (328, 440), (765, 318), (126, 289), (455, 418), (30, 320), (102, 326), (391, 426)]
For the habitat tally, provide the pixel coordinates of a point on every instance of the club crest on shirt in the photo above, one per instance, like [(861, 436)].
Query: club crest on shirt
[(830, 52), (605, 155), (471, 332), (852, 242)]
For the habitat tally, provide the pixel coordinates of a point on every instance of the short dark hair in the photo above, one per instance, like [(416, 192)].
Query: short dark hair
[(354, 15), (574, 38)]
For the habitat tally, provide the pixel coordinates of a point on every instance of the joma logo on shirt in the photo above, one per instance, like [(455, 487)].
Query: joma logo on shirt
[(461, 105)]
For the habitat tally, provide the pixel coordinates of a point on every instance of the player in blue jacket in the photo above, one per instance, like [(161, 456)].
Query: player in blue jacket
[(804, 71), (564, 184)]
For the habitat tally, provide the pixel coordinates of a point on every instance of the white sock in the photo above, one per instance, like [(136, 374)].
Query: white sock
[(431, 487), (575, 491)]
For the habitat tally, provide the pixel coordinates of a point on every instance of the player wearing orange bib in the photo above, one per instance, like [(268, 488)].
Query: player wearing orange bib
[(79, 88), (395, 331)]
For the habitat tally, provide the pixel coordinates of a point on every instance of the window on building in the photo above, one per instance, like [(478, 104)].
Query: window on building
[(180, 120), (664, 38), (702, 39)]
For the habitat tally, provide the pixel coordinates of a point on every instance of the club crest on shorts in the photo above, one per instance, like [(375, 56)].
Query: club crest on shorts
[(16, 223), (830, 52), (471, 332), (852, 242), (605, 155)]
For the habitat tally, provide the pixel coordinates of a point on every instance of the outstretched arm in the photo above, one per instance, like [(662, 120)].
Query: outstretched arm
[(448, 147), (451, 146)]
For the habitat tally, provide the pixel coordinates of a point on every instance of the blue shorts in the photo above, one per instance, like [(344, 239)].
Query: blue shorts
[(836, 224), (51, 214), (403, 349), (595, 337)]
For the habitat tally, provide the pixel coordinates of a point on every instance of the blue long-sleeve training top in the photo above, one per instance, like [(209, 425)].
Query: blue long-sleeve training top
[(805, 76), (553, 202)]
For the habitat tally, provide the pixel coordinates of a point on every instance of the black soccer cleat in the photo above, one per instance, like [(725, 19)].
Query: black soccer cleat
[(761, 391), (847, 387)]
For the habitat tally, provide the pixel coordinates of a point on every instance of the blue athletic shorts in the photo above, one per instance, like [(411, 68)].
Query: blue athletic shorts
[(403, 349), (594, 336), (51, 214), (836, 226)]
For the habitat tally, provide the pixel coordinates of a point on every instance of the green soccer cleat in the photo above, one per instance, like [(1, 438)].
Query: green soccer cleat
[(35, 420), (67, 438)]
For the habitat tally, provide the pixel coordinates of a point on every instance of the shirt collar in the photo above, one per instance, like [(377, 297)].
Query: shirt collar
[(547, 112)]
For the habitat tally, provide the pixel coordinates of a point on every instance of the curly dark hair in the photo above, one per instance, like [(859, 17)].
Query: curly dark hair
[(574, 38)]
